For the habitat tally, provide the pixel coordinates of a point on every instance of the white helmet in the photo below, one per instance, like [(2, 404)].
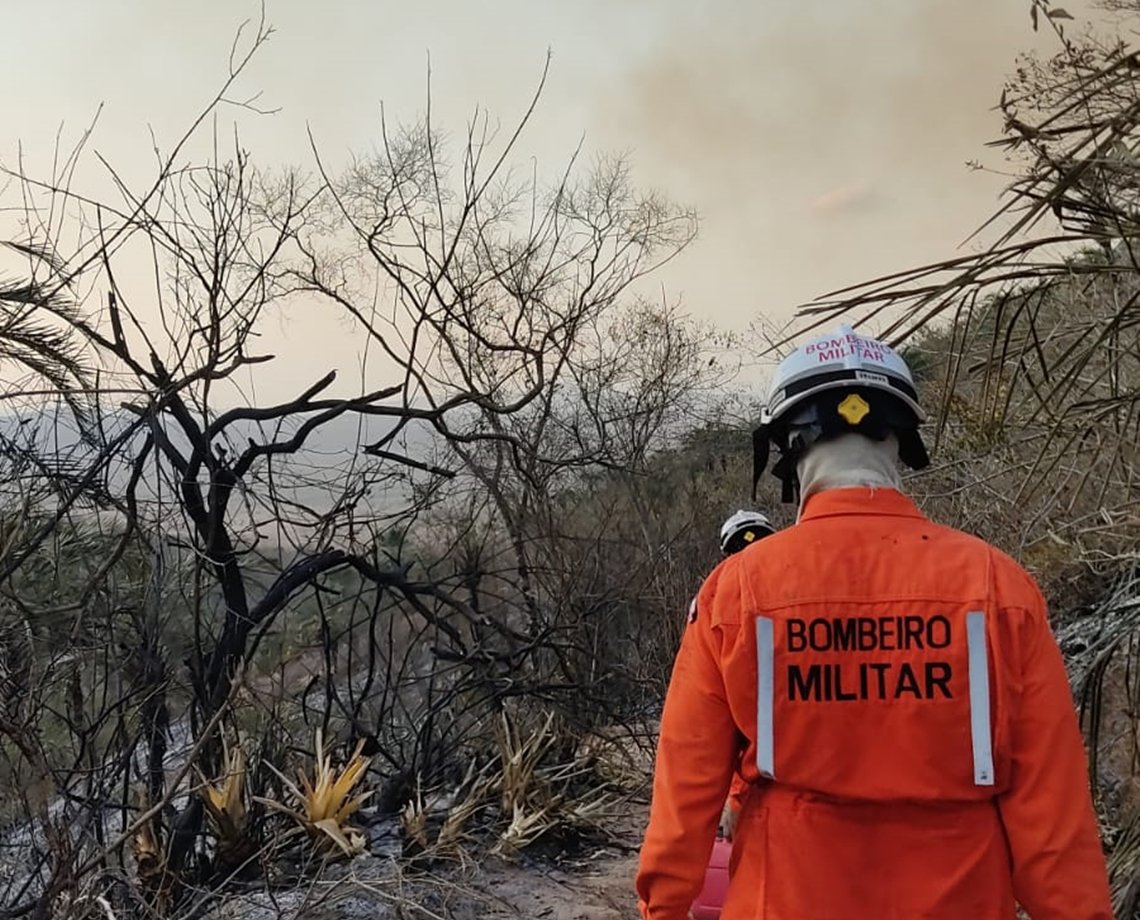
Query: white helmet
[(834, 384), (743, 528)]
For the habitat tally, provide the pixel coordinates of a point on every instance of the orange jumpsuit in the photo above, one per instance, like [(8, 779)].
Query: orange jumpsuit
[(911, 740)]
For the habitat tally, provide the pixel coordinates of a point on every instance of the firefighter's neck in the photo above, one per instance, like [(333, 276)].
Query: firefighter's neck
[(849, 461)]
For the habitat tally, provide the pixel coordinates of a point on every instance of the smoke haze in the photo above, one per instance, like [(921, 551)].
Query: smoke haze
[(822, 142)]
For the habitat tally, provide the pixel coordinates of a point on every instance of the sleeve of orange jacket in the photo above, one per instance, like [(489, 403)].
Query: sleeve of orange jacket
[(695, 756), (737, 792), (1058, 866)]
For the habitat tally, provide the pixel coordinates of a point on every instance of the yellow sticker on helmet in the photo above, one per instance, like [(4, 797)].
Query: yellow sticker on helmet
[(854, 408), (749, 536)]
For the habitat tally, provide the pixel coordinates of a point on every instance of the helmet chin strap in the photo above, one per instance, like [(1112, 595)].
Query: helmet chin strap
[(800, 440), (785, 471), (760, 449), (784, 468)]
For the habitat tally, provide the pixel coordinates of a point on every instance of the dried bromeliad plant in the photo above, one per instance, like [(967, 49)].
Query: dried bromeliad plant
[(227, 811), (151, 859), (537, 795), (323, 803)]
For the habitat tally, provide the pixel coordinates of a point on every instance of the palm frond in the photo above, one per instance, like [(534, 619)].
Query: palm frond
[(1039, 331), (41, 329)]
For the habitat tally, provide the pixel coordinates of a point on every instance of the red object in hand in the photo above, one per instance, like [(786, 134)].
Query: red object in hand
[(709, 902)]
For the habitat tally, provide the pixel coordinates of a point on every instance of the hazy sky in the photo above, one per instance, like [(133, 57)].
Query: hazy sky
[(822, 141)]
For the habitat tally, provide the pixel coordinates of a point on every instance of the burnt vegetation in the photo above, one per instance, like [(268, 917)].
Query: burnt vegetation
[(243, 639), (239, 634)]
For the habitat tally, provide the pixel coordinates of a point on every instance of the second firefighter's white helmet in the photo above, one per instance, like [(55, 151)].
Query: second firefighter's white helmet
[(743, 528), (839, 360)]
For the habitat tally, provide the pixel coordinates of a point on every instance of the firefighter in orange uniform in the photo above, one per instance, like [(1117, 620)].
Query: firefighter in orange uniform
[(742, 529), (911, 745)]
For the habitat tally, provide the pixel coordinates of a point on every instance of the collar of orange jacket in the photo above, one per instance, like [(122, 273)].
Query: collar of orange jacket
[(859, 500)]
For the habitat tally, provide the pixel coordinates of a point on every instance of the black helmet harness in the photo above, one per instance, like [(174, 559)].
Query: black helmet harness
[(873, 412)]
